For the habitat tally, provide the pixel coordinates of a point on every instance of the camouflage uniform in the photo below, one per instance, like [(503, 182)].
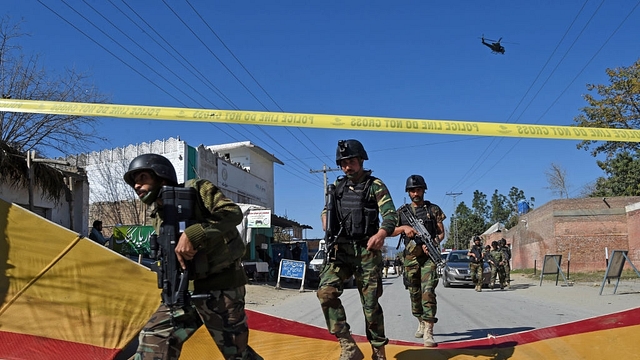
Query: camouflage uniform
[(507, 267), (476, 266), (496, 268), (223, 311), (423, 275), (353, 258)]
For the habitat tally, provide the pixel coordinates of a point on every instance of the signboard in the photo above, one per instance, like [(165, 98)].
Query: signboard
[(551, 266), (259, 218), (292, 269), (132, 239), (614, 269)]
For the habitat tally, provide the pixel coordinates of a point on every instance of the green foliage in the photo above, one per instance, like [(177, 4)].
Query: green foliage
[(468, 222), (623, 176), (616, 106)]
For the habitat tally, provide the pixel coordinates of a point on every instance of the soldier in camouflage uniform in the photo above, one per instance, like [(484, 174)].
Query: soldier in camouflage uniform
[(221, 288), (477, 262), (421, 270), (497, 262), (360, 200), (506, 250)]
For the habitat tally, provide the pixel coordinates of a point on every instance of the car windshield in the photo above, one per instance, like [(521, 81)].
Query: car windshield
[(458, 256), (319, 255)]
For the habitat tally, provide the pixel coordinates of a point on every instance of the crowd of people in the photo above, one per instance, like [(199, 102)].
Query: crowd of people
[(367, 216)]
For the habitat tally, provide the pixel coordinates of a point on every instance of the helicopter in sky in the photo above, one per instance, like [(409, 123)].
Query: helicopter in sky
[(495, 46)]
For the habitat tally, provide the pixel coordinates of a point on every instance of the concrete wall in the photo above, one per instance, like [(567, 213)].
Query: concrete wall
[(579, 228)]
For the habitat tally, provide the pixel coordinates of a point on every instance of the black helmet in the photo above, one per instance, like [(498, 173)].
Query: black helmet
[(157, 164), (494, 244), (348, 149), (415, 181), (502, 242), (477, 238)]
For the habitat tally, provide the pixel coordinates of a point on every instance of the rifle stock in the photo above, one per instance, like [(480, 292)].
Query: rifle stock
[(178, 207), (423, 237)]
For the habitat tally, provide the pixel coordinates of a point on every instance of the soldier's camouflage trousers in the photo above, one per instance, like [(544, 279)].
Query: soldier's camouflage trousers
[(476, 273), (224, 317), (499, 270), (366, 266), (423, 280)]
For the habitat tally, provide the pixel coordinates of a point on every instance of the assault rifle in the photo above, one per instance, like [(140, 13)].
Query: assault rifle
[(332, 225), (178, 212), (423, 237)]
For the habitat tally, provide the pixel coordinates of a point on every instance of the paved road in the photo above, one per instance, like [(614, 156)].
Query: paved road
[(465, 314)]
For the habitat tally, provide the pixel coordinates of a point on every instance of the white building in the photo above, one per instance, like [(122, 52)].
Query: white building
[(243, 171)]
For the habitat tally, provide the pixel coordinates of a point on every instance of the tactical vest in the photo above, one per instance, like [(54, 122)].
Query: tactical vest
[(220, 251), (424, 215), (357, 208)]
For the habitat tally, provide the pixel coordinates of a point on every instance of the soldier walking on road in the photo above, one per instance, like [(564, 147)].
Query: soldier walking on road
[(506, 250), (477, 262), (497, 262), (422, 272), (355, 250)]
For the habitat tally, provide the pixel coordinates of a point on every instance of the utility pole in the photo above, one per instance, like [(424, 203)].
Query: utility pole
[(324, 170), (454, 218)]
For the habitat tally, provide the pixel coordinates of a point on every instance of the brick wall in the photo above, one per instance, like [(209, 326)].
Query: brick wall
[(580, 228)]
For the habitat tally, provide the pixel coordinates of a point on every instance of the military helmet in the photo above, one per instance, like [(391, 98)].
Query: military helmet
[(494, 244), (415, 181), (502, 242), (477, 238), (157, 164), (348, 149)]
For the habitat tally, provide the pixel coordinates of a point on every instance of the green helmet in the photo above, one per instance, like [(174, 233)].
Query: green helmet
[(415, 181), (348, 149), (158, 165)]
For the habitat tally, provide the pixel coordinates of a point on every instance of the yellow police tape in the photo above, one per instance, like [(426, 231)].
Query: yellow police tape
[(338, 122)]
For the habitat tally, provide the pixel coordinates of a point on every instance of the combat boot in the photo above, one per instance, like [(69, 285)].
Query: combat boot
[(428, 335), (378, 353), (349, 348), (420, 332)]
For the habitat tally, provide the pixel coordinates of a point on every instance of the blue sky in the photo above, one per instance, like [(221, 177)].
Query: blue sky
[(412, 59)]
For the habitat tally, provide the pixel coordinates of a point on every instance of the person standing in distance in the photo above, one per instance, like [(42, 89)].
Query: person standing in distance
[(360, 201), (96, 233), (223, 284), (421, 271), (477, 262), (506, 250)]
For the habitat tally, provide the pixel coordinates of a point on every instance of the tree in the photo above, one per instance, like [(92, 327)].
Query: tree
[(466, 223), (623, 174), (500, 211), (21, 77), (557, 179), (113, 200), (617, 106)]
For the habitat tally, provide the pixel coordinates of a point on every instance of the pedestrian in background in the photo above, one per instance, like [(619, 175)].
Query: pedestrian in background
[(96, 233)]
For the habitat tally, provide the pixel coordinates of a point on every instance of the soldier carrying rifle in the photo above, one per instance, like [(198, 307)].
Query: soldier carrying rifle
[(198, 240), (419, 264), (355, 237)]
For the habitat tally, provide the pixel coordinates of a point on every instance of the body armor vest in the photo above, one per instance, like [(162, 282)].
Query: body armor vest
[(425, 216), (357, 209)]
